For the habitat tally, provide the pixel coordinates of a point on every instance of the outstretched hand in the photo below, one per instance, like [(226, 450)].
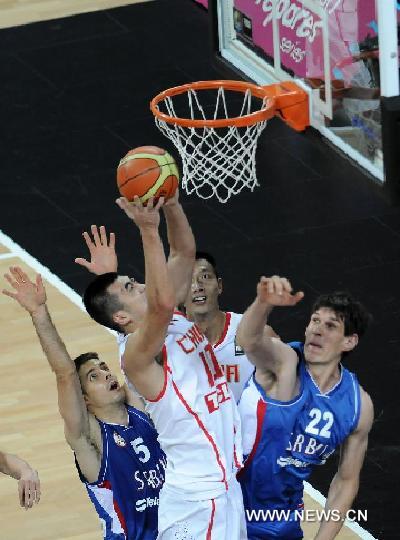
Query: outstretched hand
[(103, 258), (277, 291), (146, 217), (28, 294), (29, 488)]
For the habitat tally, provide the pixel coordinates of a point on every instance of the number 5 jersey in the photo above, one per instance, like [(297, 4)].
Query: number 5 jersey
[(126, 493)]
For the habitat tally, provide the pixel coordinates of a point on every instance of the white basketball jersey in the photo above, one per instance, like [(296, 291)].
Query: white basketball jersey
[(237, 367), (195, 415)]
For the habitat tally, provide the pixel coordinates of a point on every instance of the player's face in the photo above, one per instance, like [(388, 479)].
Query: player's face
[(205, 289), (100, 386), (131, 295), (325, 341)]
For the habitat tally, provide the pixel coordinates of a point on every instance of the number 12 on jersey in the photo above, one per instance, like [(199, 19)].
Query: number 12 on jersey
[(214, 372)]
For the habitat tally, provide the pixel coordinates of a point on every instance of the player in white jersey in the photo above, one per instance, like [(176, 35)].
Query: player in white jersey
[(174, 368), (201, 306)]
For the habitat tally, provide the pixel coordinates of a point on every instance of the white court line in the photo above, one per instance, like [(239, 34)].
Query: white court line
[(18, 251), (6, 256), (352, 525)]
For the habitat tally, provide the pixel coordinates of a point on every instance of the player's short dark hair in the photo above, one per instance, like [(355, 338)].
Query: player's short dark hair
[(83, 358), (100, 303), (210, 259), (354, 315)]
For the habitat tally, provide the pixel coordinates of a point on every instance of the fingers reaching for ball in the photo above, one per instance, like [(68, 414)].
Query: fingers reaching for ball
[(153, 204), (145, 216), (103, 257)]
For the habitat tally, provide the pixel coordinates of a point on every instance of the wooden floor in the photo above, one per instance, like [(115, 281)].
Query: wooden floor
[(30, 425), (16, 12)]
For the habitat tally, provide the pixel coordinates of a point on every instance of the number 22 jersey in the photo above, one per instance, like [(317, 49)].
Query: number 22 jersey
[(282, 441)]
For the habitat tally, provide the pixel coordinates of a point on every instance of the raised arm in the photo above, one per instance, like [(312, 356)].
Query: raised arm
[(28, 479), (264, 351), (145, 344), (32, 297), (344, 486), (182, 248), (103, 257)]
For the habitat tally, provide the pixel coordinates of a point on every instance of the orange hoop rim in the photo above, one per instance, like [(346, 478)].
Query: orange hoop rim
[(265, 113)]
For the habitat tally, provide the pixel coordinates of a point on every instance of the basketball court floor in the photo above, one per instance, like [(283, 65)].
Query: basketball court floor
[(73, 99)]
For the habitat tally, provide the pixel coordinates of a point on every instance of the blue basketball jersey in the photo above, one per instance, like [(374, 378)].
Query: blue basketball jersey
[(282, 441), (131, 475)]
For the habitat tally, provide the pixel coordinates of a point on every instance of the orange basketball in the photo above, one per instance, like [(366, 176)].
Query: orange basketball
[(147, 171)]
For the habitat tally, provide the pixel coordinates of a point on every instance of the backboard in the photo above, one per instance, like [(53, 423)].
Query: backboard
[(329, 47)]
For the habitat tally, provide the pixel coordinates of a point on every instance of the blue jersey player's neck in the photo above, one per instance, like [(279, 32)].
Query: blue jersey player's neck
[(112, 414), (325, 377)]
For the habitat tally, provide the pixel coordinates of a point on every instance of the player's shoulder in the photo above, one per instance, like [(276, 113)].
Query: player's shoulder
[(178, 322), (298, 347), (367, 404), (366, 412), (234, 317), (179, 314), (122, 338), (139, 417), (232, 321), (136, 412)]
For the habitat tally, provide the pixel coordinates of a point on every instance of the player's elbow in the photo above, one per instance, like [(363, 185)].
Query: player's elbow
[(66, 376), (162, 302), (352, 482), (346, 484), (248, 343), (250, 346), (163, 309), (166, 305)]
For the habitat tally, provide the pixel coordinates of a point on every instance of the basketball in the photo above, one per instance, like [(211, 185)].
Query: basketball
[(147, 171)]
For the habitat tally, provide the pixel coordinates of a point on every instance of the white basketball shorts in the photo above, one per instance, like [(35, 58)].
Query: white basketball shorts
[(221, 518)]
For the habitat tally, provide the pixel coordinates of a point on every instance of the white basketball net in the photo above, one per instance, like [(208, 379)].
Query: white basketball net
[(217, 162)]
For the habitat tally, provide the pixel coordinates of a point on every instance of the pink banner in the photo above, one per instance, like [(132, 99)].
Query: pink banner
[(300, 33), (203, 3)]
